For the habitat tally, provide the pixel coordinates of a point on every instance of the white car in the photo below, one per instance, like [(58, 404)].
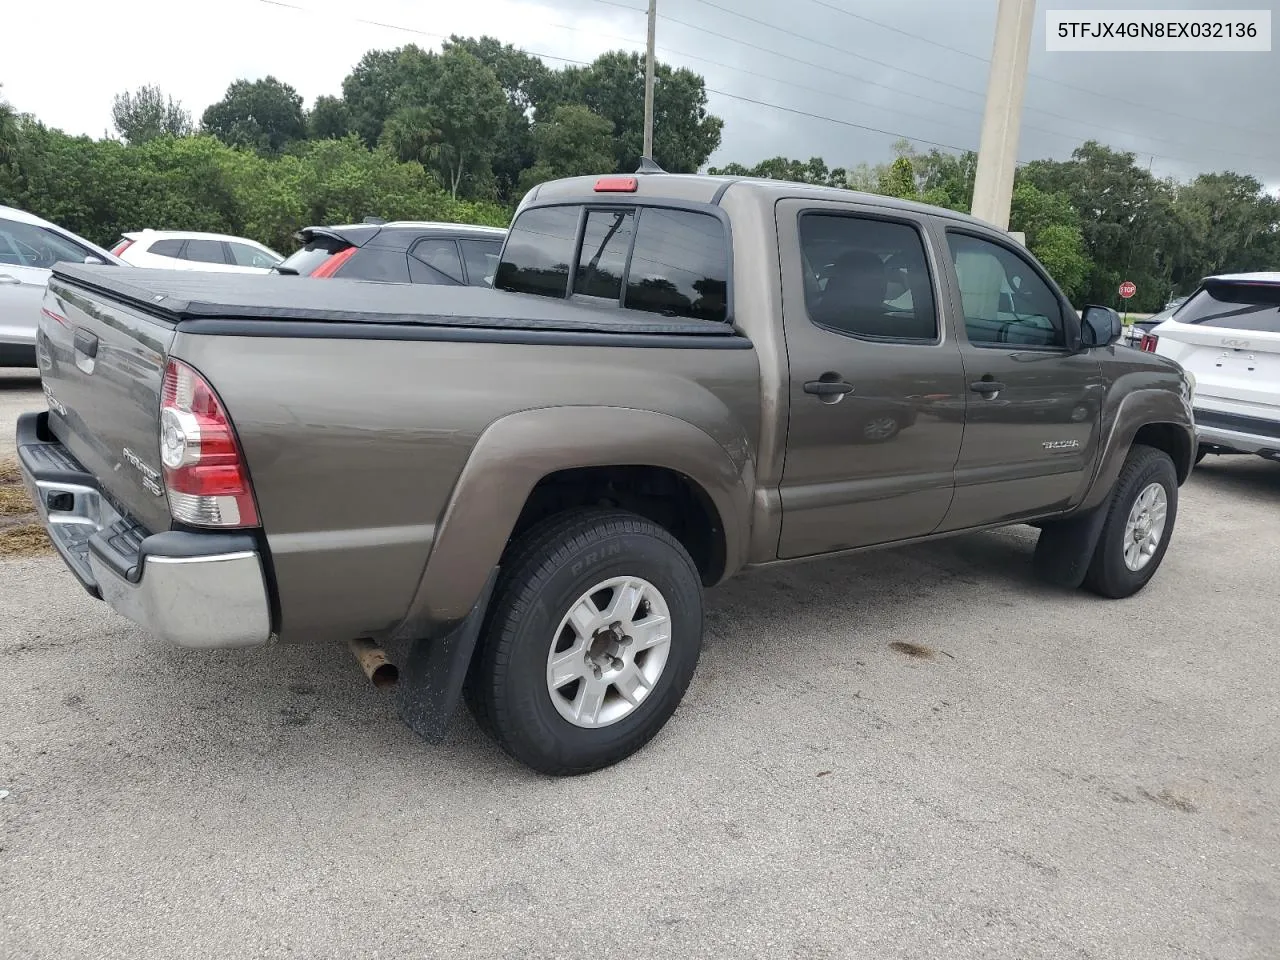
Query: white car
[(29, 247), (1227, 336), (182, 250)]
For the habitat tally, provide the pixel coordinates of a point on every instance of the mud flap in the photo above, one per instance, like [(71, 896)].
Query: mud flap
[(431, 680), (1066, 547)]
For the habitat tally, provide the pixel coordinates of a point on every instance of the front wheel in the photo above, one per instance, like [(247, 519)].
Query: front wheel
[(594, 636), (1139, 524)]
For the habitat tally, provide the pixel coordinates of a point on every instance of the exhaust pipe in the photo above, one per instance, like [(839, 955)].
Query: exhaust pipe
[(373, 661)]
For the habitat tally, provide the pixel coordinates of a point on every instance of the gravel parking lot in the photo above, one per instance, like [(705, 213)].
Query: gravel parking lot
[(1047, 775)]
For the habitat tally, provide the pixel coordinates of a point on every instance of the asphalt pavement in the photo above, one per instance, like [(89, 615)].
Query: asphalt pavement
[(916, 753)]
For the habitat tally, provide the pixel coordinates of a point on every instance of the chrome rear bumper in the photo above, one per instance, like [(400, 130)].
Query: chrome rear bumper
[(200, 590)]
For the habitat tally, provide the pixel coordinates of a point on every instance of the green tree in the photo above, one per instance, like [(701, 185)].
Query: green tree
[(146, 113), (370, 90), (1229, 219), (261, 115), (944, 179), (1128, 219), (684, 133), (523, 77), (329, 119), (574, 142), (1052, 228), (814, 171), (469, 107), (8, 131), (899, 180)]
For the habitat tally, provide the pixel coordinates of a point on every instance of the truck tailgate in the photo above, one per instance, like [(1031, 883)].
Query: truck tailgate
[(102, 367)]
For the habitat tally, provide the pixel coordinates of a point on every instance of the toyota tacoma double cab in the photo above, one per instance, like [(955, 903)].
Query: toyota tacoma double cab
[(529, 487)]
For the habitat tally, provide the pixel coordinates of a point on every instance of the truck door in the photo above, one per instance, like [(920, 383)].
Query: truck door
[(875, 379), (1033, 402)]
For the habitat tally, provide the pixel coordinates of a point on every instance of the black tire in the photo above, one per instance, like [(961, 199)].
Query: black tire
[(1109, 575), (545, 573)]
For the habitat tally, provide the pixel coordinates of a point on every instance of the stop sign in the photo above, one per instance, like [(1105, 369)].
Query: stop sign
[(1128, 289)]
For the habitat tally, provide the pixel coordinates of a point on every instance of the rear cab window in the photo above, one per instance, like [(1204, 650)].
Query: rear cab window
[(1234, 305), (656, 259)]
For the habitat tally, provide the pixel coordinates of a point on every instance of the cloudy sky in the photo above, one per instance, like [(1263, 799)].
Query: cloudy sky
[(820, 71)]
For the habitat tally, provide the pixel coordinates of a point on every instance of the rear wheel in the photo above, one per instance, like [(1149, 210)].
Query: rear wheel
[(594, 636), (1139, 524)]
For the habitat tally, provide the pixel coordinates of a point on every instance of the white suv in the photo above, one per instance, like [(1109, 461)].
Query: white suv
[(1227, 336), (174, 250)]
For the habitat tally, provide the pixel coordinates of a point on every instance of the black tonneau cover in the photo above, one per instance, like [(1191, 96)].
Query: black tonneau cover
[(180, 295)]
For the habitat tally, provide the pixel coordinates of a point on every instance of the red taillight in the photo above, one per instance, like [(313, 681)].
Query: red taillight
[(204, 471), (1148, 343), (616, 185), (121, 247), (331, 266)]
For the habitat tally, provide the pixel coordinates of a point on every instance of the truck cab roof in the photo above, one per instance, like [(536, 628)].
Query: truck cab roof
[(705, 188)]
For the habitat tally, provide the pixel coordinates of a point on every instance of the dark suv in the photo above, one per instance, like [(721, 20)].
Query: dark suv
[(454, 254)]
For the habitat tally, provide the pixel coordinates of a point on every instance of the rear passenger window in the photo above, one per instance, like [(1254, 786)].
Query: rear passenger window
[(539, 251), (603, 259), (441, 256), (375, 263), (481, 257), (679, 265), (867, 278), (204, 251), (167, 248)]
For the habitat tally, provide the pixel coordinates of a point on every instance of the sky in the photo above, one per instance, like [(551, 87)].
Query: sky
[(839, 79)]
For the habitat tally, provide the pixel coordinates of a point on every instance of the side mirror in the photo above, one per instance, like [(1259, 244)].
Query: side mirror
[(92, 259), (1099, 326)]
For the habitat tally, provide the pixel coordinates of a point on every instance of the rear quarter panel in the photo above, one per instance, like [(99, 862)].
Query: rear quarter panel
[(354, 446)]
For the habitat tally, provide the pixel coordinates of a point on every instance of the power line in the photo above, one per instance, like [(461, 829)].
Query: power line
[(944, 83), (752, 73), (1039, 76), (724, 93), (840, 50), (846, 123), (583, 63)]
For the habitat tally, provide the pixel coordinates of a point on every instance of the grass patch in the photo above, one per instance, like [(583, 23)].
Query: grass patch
[(14, 501), (23, 540), (21, 534)]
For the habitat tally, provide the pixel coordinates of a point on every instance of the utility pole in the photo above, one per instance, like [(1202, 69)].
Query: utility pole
[(648, 82), (998, 148)]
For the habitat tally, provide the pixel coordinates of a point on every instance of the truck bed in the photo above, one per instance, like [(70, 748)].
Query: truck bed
[(185, 296)]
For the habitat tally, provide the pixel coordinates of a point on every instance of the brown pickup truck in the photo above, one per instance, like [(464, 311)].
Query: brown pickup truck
[(529, 487)]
